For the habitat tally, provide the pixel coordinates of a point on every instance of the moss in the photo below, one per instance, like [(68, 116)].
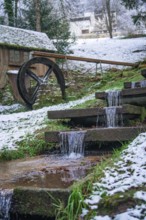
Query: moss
[(41, 202), (18, 47), (143, 115), (116, 204)]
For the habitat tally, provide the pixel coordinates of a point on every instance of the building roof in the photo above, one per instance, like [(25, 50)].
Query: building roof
[(25, 38)]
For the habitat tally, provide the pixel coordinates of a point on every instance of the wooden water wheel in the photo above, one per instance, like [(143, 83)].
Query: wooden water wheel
[(30, 79)]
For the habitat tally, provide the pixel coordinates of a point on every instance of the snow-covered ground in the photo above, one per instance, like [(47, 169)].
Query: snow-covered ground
[(16, 126), (115, 49), (128, 172)]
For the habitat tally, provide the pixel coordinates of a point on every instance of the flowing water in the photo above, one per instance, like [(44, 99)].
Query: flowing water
[(112, 118), (142, 84), (72, 143), (133, 85), (5, 203), (51, 171), (113, 98)]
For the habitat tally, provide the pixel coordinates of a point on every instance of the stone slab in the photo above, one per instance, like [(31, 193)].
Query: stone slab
[(37, 201), (103, 134)]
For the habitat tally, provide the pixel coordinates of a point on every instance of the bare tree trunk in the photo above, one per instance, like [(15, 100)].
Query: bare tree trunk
[(37, 15), (108, 17), (16, 12)]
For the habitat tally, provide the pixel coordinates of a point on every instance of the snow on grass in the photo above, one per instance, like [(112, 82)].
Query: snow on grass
[(15, 127), (128, 172), (4, 109), (116, 49)]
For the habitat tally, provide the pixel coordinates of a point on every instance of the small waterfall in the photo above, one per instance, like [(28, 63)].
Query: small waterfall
[(133, 85), (72, 143), (113, 98), (5, 203), (112, 118), (143, 83)]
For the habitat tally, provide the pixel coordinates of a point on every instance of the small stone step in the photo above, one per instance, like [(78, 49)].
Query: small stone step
[(103, 134)]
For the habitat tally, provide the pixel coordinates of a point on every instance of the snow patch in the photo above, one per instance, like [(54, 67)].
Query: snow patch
[(128, 172), (15, 127)]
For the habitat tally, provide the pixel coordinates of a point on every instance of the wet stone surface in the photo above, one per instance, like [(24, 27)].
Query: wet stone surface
[(45, 171)]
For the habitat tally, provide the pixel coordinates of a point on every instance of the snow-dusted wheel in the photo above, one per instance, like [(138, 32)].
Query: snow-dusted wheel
[(30, 78)]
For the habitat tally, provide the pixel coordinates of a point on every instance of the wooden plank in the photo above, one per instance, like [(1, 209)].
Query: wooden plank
[(124, 92), (113, 134), (103, 134), (132, 109), (134, 92), (91, 60), (139, 101), (92, 112), (100, 95), (74, 113)]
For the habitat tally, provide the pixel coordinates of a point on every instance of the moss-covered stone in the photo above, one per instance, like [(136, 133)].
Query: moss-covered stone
[(40, 202)]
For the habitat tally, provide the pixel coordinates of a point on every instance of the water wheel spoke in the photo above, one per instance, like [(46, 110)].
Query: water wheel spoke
[(47, 74), (29, 81), (33, 75), (35, 93)]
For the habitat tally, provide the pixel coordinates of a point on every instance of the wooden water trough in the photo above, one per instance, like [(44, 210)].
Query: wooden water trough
[(76, 58)]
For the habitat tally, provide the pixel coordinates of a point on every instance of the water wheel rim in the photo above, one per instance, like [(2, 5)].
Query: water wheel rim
[(24, 70)]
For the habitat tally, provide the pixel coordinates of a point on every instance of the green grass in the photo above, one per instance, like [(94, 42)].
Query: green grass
[(134, 36), (82, 86), (27, 148), (83, 188)]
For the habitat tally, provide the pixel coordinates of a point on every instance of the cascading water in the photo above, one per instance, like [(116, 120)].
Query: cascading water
[(112, 118), (113, 98), (142, 84), (72, 143), (133, 84), (5, 203)]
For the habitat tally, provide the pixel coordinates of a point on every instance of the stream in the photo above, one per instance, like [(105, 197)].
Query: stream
[(45, 171)]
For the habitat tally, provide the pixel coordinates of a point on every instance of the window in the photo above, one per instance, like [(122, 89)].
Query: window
[(14, 56), (86, 31)]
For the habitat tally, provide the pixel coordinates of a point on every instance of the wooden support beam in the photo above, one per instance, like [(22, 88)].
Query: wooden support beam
[(91, 60)]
